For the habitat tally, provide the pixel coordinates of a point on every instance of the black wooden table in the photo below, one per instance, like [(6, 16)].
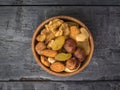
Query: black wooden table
[(19, 19)]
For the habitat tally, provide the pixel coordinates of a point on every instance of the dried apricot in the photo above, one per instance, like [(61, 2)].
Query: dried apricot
[(57, 67), (74, 31)]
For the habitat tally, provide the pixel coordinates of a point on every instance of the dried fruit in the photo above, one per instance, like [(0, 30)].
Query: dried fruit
[(72, 63), (45, 61), (39, 47), (49, 53), (58, 43), (65, 28), (74, 31), (80, 54), (72, 24), (41, 37), (51, 60), (85, 46), (70, 45), (63, 56), (57, 67)]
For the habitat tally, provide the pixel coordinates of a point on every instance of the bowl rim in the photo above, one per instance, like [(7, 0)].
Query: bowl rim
[(89, 58)]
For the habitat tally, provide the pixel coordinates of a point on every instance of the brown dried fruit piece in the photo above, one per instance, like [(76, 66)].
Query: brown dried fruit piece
[(72, 63), (80, 54), (49, 53), (70, 45), (74, 31), (45, 61), (39, 47), (57, 67)]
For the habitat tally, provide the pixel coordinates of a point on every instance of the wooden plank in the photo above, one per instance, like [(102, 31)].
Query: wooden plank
[(59, 2), (17, 25), (60, 86)]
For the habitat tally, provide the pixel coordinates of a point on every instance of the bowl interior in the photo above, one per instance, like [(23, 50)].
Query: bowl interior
[(37, 57)]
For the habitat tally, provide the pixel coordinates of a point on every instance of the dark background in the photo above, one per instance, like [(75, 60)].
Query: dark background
[(19, 19)]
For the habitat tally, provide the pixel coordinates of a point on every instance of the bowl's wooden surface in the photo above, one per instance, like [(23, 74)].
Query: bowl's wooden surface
[(85, 63)]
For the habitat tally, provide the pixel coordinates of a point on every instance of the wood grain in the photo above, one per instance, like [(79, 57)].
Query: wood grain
[(60, 85), (17, 25), (59, 2)]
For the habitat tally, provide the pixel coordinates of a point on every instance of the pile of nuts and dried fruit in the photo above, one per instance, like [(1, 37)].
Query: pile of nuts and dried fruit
[(62, 45)]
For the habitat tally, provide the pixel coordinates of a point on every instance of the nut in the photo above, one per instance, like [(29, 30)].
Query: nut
[(41, 37), (80, 54), (51, 60), (49, 53), (39, 47), (72, 63), (45, 61), (57, 67), (70, 45)]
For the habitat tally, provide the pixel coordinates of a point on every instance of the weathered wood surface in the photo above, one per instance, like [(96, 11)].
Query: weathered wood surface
[(17, 25), (59, 2), (60, 86)]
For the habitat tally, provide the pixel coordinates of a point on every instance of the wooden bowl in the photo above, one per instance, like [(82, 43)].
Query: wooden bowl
[(37, 57)]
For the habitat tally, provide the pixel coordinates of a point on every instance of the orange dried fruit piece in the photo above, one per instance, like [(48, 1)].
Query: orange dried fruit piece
[(45, 61), (74, 31), (58, 43), (57, 67), (49, 53), (41, 37), (39, 47), (63, 56)]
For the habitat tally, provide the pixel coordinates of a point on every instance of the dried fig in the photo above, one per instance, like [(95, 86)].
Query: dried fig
[(70, 45), (39, 47), (57, 67)]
